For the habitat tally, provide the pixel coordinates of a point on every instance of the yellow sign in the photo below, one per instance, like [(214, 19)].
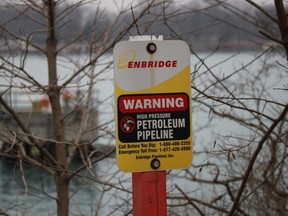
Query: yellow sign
[(153, 105)]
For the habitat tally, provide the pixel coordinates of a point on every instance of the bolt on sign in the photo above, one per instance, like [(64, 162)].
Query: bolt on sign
[(153, 105)]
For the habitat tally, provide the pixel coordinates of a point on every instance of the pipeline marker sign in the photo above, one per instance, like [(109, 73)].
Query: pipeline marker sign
[(153, 105)]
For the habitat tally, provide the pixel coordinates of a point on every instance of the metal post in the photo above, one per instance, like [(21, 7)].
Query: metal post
[(149, 193)]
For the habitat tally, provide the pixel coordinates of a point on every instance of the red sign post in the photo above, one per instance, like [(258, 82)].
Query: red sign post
[(149, 193)]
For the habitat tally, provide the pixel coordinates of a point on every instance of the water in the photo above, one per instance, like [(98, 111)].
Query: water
[(113, 195), (38, 197)]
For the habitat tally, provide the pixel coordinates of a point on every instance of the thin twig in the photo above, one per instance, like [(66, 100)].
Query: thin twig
[(134, 20)]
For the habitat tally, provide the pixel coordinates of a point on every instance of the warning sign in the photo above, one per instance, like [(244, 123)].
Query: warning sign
[(157, 117), (153, 105)]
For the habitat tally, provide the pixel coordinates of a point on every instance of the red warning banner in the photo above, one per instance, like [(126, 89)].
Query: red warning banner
[(153, 103)]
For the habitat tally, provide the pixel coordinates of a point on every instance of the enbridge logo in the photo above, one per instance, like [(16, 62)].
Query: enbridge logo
[(125, 58)]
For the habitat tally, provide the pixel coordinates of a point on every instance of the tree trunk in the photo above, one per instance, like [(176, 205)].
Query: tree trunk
[(62, 184), (282, 23), (61, 180)]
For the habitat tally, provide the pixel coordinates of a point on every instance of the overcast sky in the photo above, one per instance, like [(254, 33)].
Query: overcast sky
[(116, 5)]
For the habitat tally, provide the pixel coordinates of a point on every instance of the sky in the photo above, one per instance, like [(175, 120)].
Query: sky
[(116, 5)]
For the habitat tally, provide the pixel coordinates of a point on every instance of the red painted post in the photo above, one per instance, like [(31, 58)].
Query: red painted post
[(149, 193)]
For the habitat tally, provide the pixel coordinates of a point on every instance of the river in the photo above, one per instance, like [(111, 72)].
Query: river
[(86, 194)]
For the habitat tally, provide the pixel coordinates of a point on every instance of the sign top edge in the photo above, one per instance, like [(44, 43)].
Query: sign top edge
[(146, 38)]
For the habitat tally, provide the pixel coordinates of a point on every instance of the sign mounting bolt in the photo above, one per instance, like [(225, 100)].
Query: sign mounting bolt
[(155, 164), (151, 48)]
